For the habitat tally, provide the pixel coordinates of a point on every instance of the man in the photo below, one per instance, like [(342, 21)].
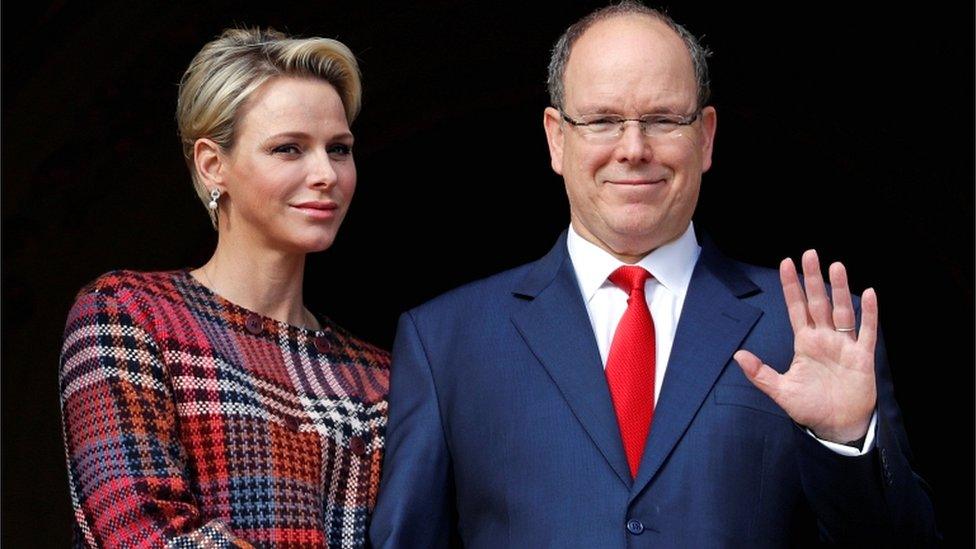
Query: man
[(591, 398)]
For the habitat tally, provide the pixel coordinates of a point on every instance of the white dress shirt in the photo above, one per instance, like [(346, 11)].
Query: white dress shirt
[(671, 266)]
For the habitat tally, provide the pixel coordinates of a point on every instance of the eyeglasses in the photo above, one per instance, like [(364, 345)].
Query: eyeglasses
[(609, 127)]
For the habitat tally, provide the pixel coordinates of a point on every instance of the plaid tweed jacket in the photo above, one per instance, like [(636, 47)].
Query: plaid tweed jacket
[(190, 421)]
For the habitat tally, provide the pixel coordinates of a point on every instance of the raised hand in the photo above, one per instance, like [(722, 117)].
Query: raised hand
[(830, 386)]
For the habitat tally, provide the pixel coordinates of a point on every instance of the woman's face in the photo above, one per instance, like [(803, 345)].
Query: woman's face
[(290, 175)]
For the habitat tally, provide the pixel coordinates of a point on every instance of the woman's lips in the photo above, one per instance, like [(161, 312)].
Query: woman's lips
[(317, 209)]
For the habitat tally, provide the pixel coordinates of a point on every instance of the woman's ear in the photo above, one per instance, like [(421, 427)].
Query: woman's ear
[(209, 162)]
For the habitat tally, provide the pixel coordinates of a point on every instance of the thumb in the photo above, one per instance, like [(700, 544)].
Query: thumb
[(762, 376)]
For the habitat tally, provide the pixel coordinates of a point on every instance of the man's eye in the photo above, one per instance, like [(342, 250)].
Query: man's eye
[(663, 122), (603, 123)]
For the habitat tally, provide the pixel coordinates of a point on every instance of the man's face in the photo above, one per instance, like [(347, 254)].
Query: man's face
[(632, 194)]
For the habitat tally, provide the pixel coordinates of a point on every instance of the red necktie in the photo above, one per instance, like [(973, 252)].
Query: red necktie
[(630, 365)]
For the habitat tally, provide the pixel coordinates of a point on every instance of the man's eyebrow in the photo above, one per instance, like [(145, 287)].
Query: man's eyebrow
[(661, 110), (667, 110), (596, 109)]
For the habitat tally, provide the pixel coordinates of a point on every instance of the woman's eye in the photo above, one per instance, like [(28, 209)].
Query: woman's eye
[(286, 149), (340, 149)]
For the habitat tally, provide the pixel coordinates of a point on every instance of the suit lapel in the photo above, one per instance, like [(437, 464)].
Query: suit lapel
[(556, 327), (713, 323)]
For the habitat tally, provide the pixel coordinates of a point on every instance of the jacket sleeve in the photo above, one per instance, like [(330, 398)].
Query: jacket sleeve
[(416, 497), (126, 465), (876, 498)]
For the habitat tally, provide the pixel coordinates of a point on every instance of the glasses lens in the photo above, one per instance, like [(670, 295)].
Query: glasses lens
[(602, 128)]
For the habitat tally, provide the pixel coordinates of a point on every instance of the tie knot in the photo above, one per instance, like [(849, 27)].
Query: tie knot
[(630, 277)]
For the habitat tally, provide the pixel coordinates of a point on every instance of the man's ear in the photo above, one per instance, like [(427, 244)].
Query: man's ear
[(209, 161), (709, 122), (552, 121)]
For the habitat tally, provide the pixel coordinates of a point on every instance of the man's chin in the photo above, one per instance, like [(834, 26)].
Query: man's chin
[(638, 241)]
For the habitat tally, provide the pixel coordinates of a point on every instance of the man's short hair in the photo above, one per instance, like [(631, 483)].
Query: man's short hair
[(564, 46)]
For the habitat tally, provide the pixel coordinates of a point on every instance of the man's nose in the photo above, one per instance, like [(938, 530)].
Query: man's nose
[(633, 145)]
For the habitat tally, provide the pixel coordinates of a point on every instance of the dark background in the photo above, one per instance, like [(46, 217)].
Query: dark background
[(842, 127)]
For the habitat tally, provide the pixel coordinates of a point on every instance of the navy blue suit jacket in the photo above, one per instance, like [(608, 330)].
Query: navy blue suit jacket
[(502, 434)]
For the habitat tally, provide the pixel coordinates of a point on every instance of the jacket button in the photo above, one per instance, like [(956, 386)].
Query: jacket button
[(884, 467), (291, 423), (357, 446), (635, 527), (254, 324), (322, 344)]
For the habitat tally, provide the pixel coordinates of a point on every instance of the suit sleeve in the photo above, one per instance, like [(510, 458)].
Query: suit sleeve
[(416, 497), (876, 498), (126, 465)]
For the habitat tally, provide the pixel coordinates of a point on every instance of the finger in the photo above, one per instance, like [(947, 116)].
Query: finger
[(796, 302), (813, 283), (843, 310), (762, 376), (868, 336)]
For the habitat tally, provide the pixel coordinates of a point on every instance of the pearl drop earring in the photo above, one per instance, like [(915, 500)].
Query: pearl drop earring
[(214, 195)]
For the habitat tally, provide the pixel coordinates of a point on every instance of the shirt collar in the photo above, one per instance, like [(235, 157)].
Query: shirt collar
[(670, 264)]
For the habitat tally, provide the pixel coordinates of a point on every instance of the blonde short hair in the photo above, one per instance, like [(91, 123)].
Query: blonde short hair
[(224, 74)]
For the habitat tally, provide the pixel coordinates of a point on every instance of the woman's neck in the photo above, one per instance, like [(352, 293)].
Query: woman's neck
[(268, 282)]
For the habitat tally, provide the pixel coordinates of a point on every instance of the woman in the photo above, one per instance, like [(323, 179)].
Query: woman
[(210, 407)]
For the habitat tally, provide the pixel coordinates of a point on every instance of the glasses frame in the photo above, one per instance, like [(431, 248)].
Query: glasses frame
[(642, 123)]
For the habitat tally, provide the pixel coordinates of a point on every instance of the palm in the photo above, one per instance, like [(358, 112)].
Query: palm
[(830, 385)]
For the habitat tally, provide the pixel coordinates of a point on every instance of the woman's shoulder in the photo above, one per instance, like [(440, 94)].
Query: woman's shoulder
[(122, 302), (129, 290), (120, 283)]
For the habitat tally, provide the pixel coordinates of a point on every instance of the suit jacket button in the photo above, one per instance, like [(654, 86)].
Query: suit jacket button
[(357, 446), (291, 423), (254, 324), (635, 527), (884, 467), (322, 344)]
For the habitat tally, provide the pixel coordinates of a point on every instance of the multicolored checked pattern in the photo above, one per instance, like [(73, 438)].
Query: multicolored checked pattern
[(190, 421)]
